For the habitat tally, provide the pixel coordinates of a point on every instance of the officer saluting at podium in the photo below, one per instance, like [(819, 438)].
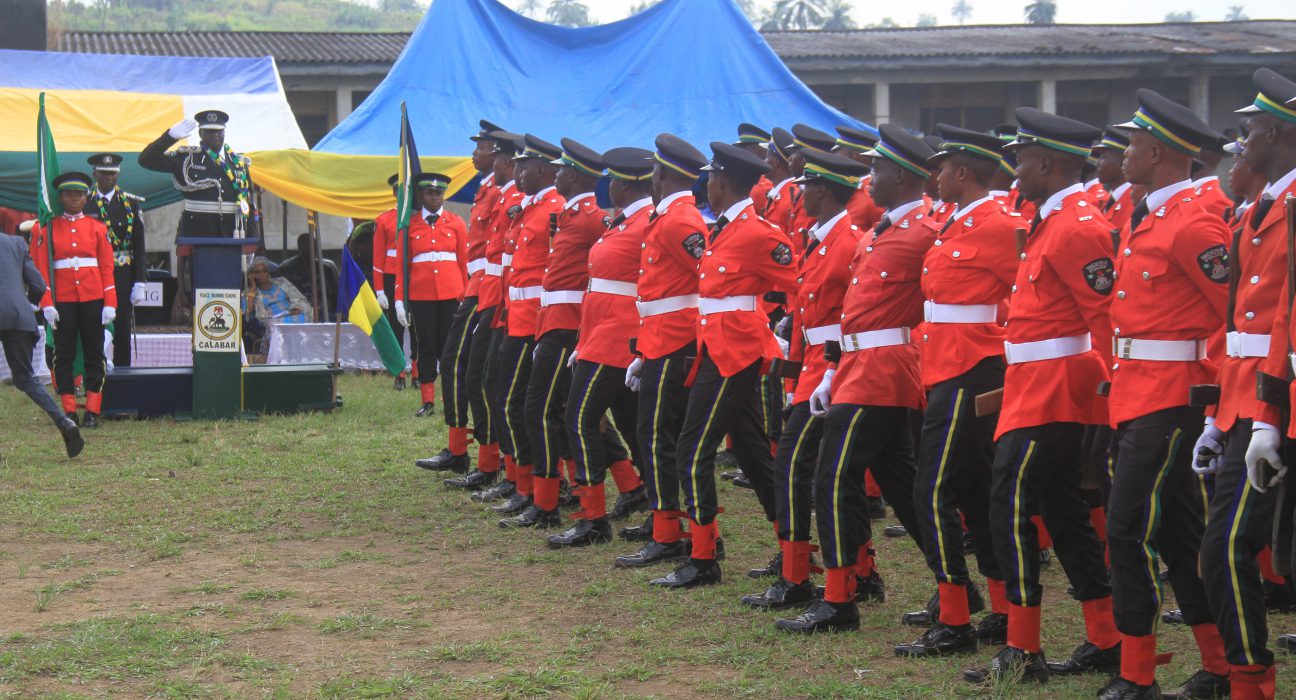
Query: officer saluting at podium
[(213, 178)]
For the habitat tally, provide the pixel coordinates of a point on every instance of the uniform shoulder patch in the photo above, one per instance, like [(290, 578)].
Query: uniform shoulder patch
[(514, 210), (695, 245), (782, 254), (1214, 263), (607, 222), (1100, 275)]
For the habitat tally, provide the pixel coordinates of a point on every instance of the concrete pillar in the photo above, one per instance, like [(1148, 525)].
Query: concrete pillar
[(881, 103), (1199, 96), (342, 106), (1048, 96)]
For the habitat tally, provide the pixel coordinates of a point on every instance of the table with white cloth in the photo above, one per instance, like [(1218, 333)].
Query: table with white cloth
[(312, 343)]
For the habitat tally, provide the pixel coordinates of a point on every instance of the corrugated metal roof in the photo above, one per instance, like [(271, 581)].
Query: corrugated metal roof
[(286, 47)]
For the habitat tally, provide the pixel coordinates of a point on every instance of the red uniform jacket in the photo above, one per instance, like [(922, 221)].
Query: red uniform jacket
[(821, 286), (525, 274), (437, 270), (778, 204), (1211, 198), (864, 212), (799, 222), (941, 212), (1171, 284), (1097, 194), (1119, 206), (609, 318), (580, 223), (673, 245), (760, 193), (972, 263), (479, 228), (83, 261), (1063, 289), (1022, 205), (490, 291), (749, 257), (384, 250), (885, 292)]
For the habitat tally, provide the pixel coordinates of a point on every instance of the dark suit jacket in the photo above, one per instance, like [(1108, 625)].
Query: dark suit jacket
[(19, 280)]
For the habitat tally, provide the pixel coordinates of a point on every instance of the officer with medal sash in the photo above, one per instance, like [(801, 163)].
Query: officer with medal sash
[(121, 212), (212, 178)]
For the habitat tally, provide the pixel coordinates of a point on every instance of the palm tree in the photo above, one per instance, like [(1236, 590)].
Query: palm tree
[(797, 14), (1236, 13), (838, 17), (568, 13), (529, 8), (961, 11), (1186, 16), (1041, 12)]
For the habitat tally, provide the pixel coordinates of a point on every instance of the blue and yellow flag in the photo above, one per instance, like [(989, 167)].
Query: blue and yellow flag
[(358, 305)]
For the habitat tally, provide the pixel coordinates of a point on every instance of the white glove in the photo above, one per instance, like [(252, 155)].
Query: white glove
[(571, 361), (137, 294), (819, 399), (27, 226), (1262, 452), (382, 301), (632, 373), (789, 398), (51, 316), (182, 128), (401, 317), (1208, 453), (107, 315), (783, 346)]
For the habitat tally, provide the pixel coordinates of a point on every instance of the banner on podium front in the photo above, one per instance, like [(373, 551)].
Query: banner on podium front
[(216, 320)]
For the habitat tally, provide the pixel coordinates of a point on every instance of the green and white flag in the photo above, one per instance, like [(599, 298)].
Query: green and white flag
[(47, 168)]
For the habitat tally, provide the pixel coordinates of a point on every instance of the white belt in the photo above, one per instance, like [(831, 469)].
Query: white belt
[(506, 259), (475, 266), (1159, 350), (657, 307), (959, 313), (391, 252), (561, 296), (1051, 349), (212, 207), (713, 305), (1247, 344), (493, 270), (821, 334), (525, 293), (434, 256), (75, 263), (867, 340), (606, 286)]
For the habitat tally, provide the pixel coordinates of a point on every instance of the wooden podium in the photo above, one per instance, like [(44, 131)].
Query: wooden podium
[(218, 282)]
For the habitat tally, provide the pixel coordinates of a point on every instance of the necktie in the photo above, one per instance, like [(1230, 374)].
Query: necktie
[(719, 226), (882, 225), (1111, 202), (1035, 223), (1261, 208), (947, 226), (432, 219), (1140, 212), (652, 216), (620, 219)]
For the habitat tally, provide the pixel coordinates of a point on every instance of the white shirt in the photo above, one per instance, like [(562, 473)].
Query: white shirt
[(663, 205), (427, 213), (1001, 194), (737, 208), (1277, 188), (893, 215), (635, 207), (1158, 199), (575, 201), (508, 186), (488, 180), (822, 228), (1092, 184), (108, 195), (779, 187), (1121, 190), (1198, 184), (958, 213), (1054, 203)]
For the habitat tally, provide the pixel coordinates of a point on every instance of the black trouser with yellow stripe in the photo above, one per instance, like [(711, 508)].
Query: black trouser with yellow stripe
[(856, 438), (513, 375), (546, 401), (1155, 511), (662, 400), (794, 472), (595, 390), (954, 460), (718, 405), (1037, 470), (481, 347), (454, 364), (1239, 526)]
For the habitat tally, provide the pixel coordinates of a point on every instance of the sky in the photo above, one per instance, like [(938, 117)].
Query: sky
[(1010, 11)]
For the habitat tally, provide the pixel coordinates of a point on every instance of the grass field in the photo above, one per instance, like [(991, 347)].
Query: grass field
[(306, 556)]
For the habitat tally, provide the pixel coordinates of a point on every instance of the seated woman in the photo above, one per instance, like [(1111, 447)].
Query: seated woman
[(270, 300)]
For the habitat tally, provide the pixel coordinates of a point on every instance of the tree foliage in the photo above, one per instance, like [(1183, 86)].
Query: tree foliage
[(962, 10), (1185, 16), (234, 15), (1236, 13), (1042, 12), (568, 13)]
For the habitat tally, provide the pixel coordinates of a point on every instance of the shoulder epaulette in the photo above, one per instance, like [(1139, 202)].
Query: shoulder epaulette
[(188, 149)]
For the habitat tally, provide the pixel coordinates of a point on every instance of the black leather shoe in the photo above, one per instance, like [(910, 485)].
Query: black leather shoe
[(629, 502), (414, 382), (781, 594), (822, 616), (444, 461), (1172, 617), (742, 482), (427, 410), (1286, 642), (993, 629), (941, 640), (1088, 658), (726, 462), (654, 552), (399, 384), (91, 421), (694, 573), (729, 476), (895, 531), (498, 492), (870, 589), (773, 568), (1204, 685), (924, 618), (639, 533), (72, 416), (1011, 666), (515, 503), (72, 440), (1120, 689), (533, 517), (583, 534), (473, 480), (876, 508)]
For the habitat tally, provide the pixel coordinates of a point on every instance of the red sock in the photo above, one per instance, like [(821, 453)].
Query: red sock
[(796, 561), (1100, 626), (840, 584), (1264, 558), (488, 458), (1098, 518), (428, 391), (728, 443), (625, 476), (865, 563), (94, 402), (954, 605), (773, 448), (1253, 682), (1211, 646), (1023, 627), (1138, 659), (1045, 539), (998, 596), (414, 370), (704, 540), (546, 492), (458, 441), (593, 499), (666, 527), (69, 402), (525, 481), (871, 488)]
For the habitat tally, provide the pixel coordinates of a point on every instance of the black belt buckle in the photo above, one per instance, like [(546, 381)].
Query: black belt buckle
[(1203, 395), (785, 369), (1273, 390)]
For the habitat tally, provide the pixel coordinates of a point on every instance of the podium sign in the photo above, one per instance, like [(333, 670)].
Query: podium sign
[(217, 324), (216, 320)]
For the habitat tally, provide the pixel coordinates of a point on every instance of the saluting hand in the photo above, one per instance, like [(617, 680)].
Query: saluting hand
[(182, 128)]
